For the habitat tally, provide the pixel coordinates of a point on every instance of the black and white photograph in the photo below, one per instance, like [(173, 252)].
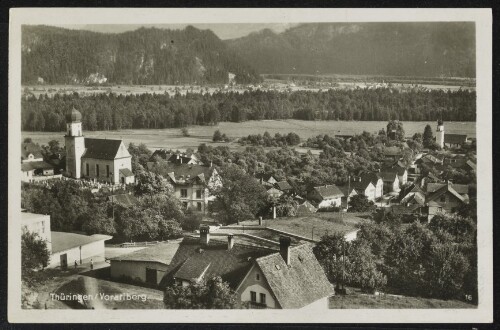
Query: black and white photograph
[(173, 164)]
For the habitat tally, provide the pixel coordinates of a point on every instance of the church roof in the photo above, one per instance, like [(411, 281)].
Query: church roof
[(101, 148), (455, 138), (73, 116)]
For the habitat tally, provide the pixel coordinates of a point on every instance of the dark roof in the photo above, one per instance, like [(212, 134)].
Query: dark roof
[(164, 154), (30, 148), (389, 176), (126, 172), (392, 151), (472, 165), (396, 167), (101, 148), (462, 189), (297, 285), (192, 269), (446, 188), (365, 180), (329, 191), (73, 116), (160, 253), (345, 189), (264, 177), (38, 165), (64, 241), (231, 265), (403, 209), (123, 199), (283, 185), (185, 173), (455, 138)]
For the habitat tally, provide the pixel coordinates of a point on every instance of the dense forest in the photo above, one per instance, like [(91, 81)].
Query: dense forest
[(144, 56), (110, 112), (391, 49)]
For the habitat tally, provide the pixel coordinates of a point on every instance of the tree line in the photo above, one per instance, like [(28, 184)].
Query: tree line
[(112, 112)]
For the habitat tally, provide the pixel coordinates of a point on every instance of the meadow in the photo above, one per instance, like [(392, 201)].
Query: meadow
[(172, 138)]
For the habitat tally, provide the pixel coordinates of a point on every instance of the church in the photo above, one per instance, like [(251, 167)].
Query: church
[(103, 160)]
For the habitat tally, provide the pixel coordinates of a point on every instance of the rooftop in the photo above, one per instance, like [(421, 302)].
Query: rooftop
[(329, 191), (64, 241), (37, 165), (298, 284), (101, 148), (161, 253)]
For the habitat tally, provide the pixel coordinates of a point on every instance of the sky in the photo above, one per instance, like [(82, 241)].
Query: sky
[(223, 31)]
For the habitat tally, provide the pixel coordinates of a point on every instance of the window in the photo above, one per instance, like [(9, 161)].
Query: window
[(263, 298), (440, 209), (257, 277), (253, 296), (87, 168), (198, 193), (184, 193), (198, 206), (185, 205), (96, 170), (107, 171)]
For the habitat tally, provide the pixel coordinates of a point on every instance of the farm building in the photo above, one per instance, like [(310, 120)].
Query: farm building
[(145, 266), (326, 196)]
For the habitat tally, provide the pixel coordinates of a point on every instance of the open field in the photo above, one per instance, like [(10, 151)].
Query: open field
[(355, 300), (171, 138)]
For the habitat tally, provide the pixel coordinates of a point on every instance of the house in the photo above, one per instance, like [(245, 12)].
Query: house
[(348, 192), (305, 209), (445, 199), (192, 183), (399, 168), (266, 179), (284, 186), (33, 167), (455, 140), (392, 153), (31, 152), (369, 184), (262, 277), (65, 248), (103, 160), (185, 158), (161, 153), (326, 196), (146, 266), (391, 181)]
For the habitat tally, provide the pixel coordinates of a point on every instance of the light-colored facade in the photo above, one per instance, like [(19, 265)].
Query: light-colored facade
[(440, 134), (37, 223), (75, 147), (255, 290), (138, 271)]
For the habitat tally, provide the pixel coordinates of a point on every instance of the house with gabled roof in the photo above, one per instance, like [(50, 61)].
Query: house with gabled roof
[(33, 166), (262, 277), (192, 184), (284, 186), (369, 184), (445, 199), (326, 196), (391, 181), (266, 179)]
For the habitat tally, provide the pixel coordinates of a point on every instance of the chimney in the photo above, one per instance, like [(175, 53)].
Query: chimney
[(285, 242), (230, 241), (204, 235), (260, 221)]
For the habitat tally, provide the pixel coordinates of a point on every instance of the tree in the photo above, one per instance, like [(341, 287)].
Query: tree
[(395, 130), (329, 252), (212, 294), (217, 136), (96, 221), (360, 203), (239, 198), (149, 183), (363, 270), (34, 255), (427, 137), (191, 221), (185, 131)]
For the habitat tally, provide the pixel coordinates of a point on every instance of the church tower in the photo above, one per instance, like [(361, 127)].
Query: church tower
[(440, 134), (74, 142)]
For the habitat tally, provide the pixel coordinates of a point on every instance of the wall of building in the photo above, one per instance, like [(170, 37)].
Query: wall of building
[(94, 251), (40, 226), (136, 270), (251, 283), (26, 176), (92, 170), (75, 147), (330, 202), (447, 205), (191, 200), (121, 163)]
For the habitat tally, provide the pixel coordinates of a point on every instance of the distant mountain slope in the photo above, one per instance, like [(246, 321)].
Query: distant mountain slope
[(399, 49), (144, 56)]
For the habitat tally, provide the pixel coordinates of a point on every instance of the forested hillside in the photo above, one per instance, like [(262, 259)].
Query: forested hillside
[(395, 49), (144, 56), (110, 111)]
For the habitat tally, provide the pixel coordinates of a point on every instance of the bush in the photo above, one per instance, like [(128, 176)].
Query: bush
[(191, 221), (185, 131), (360, 203)]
